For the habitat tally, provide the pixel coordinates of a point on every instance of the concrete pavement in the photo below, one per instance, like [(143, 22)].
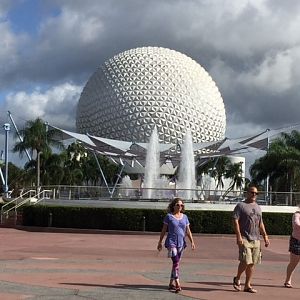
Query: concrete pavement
[(108, 265), (222, 206)]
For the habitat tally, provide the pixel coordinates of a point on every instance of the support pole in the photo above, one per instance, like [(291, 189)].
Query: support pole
[(118, 178), (102, 174), (17, 131), (6, 127), (2, 177)]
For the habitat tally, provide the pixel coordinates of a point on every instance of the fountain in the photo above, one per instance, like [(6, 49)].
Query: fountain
[(151, 167), (126, 187), (165, 191), (155, 187), (186, 180)]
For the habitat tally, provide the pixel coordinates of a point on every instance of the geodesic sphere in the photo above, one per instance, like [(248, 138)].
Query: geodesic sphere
[(143, 87)]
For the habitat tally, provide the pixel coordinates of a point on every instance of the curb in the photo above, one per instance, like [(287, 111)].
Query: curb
[(122, 232)]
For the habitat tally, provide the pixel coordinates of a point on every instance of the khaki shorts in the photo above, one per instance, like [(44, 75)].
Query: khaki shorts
[(250, 252)]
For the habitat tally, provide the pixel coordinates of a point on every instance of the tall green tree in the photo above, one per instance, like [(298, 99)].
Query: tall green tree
[(281, 164), (235, 173), (16, 179), (81, 166), (39, 140), (75, 158), (219, 171), (37, 137), (221, 168), (52, 169), (203, 167)]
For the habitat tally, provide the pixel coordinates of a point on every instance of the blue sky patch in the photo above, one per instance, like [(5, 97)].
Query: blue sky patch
[(27, 15)]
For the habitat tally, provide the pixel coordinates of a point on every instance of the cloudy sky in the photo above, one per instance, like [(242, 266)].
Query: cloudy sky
[(49, 49)]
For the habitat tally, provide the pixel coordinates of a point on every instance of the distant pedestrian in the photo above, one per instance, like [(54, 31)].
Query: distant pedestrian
[(294, 249), (248, 225), (178, 226)]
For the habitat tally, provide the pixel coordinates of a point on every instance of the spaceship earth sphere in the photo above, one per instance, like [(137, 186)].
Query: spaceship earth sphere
[(151, 86)]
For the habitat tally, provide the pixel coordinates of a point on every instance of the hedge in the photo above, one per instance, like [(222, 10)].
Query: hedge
[(128, 219)]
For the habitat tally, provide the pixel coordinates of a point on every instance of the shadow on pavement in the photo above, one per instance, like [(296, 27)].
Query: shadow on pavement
[(122, 286)]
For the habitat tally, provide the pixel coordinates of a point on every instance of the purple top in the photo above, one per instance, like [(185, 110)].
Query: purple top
[(176, 231)]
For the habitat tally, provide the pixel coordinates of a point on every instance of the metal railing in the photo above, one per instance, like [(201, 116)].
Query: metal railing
[(99, 192), (64, 192), (31, 196)]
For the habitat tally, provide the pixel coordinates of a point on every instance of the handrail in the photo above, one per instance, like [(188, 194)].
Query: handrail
[(17, 205), (11, 202), (28, 199), (43, 197)]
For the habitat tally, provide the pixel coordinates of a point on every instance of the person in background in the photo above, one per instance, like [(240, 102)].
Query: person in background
[(178, 226), (248, 225), (294, 249)]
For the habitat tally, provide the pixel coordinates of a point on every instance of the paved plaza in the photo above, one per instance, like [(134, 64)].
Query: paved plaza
[(109, 265)]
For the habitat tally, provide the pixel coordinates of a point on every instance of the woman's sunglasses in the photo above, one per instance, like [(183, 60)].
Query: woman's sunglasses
[(253, 193), (181, 205)]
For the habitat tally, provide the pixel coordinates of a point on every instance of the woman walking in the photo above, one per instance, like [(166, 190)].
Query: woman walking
[(178, 226), (294, 249)]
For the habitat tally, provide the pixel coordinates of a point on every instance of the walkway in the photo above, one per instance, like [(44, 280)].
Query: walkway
[(97, 265), (159, 205)]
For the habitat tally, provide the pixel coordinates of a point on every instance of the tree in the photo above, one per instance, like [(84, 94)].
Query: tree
[(16, 179), (38, 139), (75, 157), (220, 168), (81, 166), (235, 173), (219, 171), (281, 164), (203, 167), (52, 169)]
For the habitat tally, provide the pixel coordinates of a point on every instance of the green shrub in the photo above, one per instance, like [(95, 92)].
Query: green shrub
[(278, 223), (128, 219)]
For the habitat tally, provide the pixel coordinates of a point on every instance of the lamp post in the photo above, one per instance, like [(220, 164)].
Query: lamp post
[(268, 199), (6, 127), (38, 172)]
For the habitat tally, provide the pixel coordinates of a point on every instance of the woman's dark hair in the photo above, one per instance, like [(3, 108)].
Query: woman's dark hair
[(173, 203), (251, 185)]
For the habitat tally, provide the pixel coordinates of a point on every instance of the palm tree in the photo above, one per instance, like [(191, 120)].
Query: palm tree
[(91, 170), (75, 158), (216, 168), (219, 170), (52, 169), (281, 164), (203, 167), (235, 173), (109, 169), (16, 179), (37, 139)]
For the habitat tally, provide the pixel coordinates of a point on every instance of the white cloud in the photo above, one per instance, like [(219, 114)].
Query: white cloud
[(55, 105), (72, 28), (9, 46), (236, 129), (273, 74), (251, 49)]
